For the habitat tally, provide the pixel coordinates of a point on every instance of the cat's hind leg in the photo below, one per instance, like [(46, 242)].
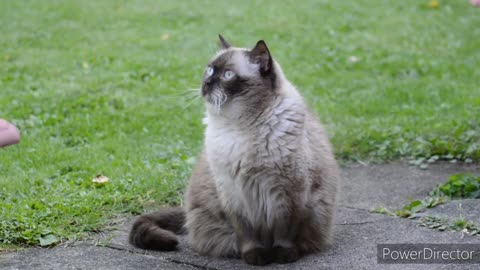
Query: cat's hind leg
[(315, 232), (210, 233)]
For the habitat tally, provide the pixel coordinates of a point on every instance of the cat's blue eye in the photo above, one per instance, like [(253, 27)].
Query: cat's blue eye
[(228, 74), (209, 71)]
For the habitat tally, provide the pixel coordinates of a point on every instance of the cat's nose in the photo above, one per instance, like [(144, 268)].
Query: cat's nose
[(209, 81), (205, 89)]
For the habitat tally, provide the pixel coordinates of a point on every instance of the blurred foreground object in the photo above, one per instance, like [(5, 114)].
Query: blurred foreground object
[(475, 3), (9, 133)]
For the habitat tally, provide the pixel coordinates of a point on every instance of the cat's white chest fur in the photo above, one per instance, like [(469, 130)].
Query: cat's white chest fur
[(233, 151), (226, 146)]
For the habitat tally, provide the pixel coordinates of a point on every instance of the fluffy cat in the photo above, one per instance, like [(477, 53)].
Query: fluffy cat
[(264, 186)]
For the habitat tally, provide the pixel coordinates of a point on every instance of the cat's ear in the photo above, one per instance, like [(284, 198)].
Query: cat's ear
[(261, 55), (223, 43)]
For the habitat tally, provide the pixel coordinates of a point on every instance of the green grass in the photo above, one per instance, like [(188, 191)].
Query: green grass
[(97, 87)]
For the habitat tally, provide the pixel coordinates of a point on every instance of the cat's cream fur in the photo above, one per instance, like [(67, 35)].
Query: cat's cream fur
[(265, 185)]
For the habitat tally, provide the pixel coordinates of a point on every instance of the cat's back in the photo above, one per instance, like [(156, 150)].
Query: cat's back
[(317, 137)]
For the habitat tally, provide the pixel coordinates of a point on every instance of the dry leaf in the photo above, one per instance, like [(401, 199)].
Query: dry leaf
[(100, 179)]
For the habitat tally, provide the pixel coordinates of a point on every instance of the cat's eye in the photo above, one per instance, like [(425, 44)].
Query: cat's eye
[(228, 74), (209, 71)]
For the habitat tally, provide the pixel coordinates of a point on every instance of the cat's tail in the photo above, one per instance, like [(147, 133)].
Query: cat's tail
[(158, 230)]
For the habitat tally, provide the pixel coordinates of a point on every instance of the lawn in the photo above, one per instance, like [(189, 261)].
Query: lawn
[(101, 87)]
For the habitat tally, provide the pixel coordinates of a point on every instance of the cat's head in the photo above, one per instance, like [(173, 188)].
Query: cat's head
[(240, 76)]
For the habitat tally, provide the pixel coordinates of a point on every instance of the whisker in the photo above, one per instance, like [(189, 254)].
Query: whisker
[(191, 95), (185, 93), (218, 100), (187, 99), (188, 104)]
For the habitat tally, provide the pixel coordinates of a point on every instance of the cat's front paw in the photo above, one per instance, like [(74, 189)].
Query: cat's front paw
[(285, 255), (257, 256)]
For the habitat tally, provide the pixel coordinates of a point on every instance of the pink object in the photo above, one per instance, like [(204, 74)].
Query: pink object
[(475, 3), (9, 133)]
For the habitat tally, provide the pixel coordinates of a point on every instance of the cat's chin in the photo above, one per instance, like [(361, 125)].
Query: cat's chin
[(208, 99), (214, 108), (214, 104)]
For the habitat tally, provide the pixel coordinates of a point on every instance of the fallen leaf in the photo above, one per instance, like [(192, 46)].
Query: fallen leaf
[(100, 179), (48, 240)]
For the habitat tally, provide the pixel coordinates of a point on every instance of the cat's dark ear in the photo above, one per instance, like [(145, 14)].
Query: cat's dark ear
[(261, 55), (223, 43)]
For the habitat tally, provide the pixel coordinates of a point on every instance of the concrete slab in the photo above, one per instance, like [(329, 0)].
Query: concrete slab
[(357, 235), (390, 185), (85, 256)]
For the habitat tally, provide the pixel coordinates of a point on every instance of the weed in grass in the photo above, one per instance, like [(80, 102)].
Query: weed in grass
[(458, 186), (443, 224)]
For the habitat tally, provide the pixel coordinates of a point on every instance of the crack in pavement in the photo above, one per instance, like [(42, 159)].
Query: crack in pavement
[(354, 223), (175, 261), (191, 264), (354, 208)]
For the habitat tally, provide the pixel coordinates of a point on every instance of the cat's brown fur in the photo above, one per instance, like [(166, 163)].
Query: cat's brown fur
[(264, 187)]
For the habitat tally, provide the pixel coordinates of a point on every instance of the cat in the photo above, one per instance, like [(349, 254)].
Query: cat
[(264, 187)]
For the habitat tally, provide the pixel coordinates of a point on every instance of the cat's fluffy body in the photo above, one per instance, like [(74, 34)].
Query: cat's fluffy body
[(264, 187)]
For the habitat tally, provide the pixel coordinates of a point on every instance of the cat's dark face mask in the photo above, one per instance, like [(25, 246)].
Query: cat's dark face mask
[(234, 72), (217, 76)]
